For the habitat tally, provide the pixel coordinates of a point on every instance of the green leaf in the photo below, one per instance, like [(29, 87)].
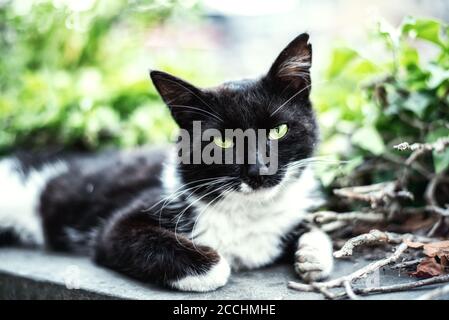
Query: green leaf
[(437, 76), (408, 56), (425, 29), (368, 138), (440, 159), (417, 103), (341, 58)]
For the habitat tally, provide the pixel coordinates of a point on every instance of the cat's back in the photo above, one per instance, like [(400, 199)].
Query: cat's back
[(67, 189)]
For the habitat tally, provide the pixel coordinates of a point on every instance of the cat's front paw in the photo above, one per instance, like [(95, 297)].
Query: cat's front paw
[(313, 259), (217, 276)]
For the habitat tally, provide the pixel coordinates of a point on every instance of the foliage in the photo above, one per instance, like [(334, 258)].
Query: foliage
[(71, 74), (74, 73), (375, 98)]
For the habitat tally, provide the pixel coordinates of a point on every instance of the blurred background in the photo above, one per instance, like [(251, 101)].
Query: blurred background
[(74, 73)]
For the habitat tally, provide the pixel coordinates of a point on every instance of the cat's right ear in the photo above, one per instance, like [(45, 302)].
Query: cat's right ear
[(181, 97), (291, 69)]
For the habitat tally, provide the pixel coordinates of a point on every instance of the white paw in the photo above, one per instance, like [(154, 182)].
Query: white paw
[(215, 278), (313, 259)]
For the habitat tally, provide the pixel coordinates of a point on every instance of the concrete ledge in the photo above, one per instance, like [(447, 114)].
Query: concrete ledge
[(27, 274)]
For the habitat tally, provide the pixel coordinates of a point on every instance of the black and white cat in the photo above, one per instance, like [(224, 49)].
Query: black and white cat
[(144, 214)]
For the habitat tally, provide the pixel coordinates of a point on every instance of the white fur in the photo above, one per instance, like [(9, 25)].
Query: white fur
[(314, 259), (215, 278), (20, 199), (247, 227), (169, 178)]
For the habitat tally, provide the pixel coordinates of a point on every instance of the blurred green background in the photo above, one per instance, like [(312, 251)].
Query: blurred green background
[(75, 73)]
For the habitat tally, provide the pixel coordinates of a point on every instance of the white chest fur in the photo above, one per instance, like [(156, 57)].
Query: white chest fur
[(247, 229)]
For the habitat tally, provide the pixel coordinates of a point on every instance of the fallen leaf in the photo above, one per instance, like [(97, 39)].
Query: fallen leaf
[(428, 268), (437, 261), (414, 245), (436, 248), (445, 262)]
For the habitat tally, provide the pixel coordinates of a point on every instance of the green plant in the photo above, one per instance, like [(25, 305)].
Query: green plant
[(370, 104), (75, 74)]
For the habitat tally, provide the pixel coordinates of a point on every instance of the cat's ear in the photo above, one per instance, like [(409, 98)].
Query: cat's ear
[(181, 97), (291, 69)]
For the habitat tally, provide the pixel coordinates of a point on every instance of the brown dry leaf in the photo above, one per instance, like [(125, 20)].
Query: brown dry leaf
[(436, 249), (428, 268), (414, 245), (437, 261), (444, 261)]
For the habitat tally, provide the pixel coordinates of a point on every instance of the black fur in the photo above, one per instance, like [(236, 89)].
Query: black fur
[(111, 205)]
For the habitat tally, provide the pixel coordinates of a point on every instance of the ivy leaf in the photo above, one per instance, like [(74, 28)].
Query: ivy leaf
[(425, 29), (368, 138), (440, 159), (437, 76), (341, 58), (417, 103), (409, 56)]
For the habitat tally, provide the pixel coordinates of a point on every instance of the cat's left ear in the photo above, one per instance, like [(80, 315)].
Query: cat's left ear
[(291, 69), (180, 96)]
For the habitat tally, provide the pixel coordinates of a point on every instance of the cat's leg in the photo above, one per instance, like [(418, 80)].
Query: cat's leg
[(135, 245), (313, 256)]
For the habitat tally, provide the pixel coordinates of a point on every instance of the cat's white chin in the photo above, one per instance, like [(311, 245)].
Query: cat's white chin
[(258, 194), (213, 279)]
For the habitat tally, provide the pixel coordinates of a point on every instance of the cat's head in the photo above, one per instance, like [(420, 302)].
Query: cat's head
[(278, 102)]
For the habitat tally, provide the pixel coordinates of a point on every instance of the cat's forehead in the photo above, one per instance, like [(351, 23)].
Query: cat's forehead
[(246, 101), (237, 86), (245, 94)]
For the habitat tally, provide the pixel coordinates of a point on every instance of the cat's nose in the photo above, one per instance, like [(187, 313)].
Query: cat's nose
[(256, 170), (254, 177), (253, 170)]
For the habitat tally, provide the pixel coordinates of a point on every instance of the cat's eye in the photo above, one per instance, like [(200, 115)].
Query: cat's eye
[(278, 132), (223, 143)]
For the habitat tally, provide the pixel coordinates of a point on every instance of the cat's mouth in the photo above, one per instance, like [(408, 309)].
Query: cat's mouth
[(259, 183), (266, 189), (260, 193)]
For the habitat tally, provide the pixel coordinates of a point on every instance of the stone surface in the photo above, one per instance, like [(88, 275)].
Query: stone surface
[(28, 274)]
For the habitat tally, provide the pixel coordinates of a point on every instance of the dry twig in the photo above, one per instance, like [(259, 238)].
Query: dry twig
[(376, 194), (385, 198), (346, 282), (373, 237), (349, 279), (407, 264), (323, 217), (399, 287), (377, 237), (437, 293)]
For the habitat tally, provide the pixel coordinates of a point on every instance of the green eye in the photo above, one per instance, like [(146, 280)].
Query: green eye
[(278, 132), (223, 143)]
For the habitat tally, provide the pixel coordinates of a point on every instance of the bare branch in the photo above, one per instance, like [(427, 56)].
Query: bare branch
[(429, 195), (349, 291), (438, 146), (439, 210), (358, 274), (399, 287), (377, 237), (323, 217), (407, 264), (375, 194), (435, 294), (373, 237)]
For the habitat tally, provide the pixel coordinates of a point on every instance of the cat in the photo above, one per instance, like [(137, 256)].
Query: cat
[(181, 225)]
